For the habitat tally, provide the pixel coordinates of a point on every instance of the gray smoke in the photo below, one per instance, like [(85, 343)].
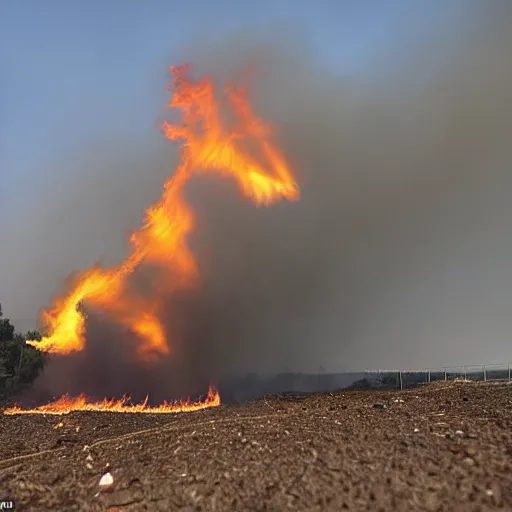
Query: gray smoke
[(398, 252)]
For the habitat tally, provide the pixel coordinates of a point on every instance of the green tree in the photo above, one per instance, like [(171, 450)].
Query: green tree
[(6, 328), (30, 363), (19, 363), (33, 336)]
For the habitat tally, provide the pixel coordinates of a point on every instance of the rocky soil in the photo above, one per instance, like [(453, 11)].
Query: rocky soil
[(444, 446)]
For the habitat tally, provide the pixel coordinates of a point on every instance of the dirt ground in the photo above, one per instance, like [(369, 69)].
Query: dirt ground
[(445, 446)]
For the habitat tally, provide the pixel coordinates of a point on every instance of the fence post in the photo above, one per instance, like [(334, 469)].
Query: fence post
[(401, 381), (444, 373), (485, 372), (465, 373), (509, 365), (429, 375)]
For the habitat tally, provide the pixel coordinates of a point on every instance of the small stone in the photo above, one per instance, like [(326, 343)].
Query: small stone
[(106, 480), (379, 406), (468, 461), (459, 433), (88, 465), (416, 430), (469, 450)]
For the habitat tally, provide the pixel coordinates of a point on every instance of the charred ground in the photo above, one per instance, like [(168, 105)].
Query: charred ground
[(447, 446)]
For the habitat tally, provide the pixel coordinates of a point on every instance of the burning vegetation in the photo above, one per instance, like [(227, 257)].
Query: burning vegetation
[(244, 153), (66, 404)]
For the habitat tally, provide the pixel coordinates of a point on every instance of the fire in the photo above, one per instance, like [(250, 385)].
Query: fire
[(65, 404), (206, 146)]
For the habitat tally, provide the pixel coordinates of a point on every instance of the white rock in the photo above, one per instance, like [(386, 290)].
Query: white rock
[(106, 480)]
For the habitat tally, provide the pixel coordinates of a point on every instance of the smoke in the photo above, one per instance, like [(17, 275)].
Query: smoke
[(396, 255), (398, 250)]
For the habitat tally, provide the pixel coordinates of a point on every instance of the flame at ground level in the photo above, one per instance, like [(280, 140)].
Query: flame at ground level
[(242, 151), (66, 404)]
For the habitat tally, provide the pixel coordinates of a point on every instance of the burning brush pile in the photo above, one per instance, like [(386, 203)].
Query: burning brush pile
[(246, 154)]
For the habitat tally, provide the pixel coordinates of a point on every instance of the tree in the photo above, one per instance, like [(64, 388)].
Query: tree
[(19, 363), (6, 328), (31, 362), (33, 336)]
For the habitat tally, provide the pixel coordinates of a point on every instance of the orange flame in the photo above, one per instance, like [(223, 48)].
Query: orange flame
[(65, 404), (205, 147)]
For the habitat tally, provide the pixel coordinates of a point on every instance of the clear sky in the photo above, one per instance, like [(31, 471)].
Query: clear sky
[(63, 62)]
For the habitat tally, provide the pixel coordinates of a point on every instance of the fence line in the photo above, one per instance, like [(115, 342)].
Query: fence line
[(402, 378)]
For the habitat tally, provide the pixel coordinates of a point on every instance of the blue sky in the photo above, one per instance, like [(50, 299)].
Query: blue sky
[(69, 66)]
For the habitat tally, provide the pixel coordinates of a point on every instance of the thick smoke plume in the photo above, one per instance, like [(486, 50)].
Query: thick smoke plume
[(398, 253)]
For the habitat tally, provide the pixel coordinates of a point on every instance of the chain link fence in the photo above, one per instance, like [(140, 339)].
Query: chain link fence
[(404, 378)]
